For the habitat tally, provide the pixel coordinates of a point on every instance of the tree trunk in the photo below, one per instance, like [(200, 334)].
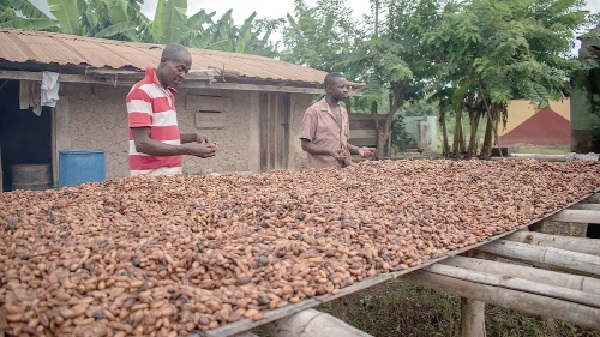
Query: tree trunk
[(384, 132), (458, 132), (442, 122), (486, 149), (474, 122)]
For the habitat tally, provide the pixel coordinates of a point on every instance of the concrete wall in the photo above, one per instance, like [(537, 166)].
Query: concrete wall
[(424, 130), (94, 116)]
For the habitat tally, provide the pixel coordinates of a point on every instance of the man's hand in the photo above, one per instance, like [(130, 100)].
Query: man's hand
[(200, 138), (340, 155), (363, 152), (202, 150)]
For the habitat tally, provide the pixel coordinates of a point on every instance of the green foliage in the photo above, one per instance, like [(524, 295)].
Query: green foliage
[(31, 24), (67, 14), (170, 20), (512, 49), (123, 20), (321, 37)]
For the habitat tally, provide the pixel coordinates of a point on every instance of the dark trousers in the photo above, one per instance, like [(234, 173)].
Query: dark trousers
[(593, 231)]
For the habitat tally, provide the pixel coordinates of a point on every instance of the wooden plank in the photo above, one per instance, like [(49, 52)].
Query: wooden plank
[(263, 114), (472, 317), (545, 256), (515, 283), (570, 243), (511, 299), (586, 207), (576, 282), (578, 216)]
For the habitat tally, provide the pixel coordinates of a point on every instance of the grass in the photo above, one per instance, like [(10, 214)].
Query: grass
[(544, 150)]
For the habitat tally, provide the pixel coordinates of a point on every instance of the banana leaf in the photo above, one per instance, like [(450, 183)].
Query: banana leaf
[(118, 28), (67, 14), (27, 8), (30, 24), (170, 20)]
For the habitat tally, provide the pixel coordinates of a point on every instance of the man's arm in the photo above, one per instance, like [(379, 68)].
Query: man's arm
[(361, 151), (147, 145), (193, 138), (311, 148)]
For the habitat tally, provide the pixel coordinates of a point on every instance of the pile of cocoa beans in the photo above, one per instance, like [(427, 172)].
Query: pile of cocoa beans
[(164, 256)]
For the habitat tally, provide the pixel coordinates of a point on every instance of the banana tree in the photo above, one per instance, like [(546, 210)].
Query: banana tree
[(170, 21), (31, 17), (67, 14)]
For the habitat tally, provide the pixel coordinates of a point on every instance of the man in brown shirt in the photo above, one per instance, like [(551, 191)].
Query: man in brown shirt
[(325, 128)]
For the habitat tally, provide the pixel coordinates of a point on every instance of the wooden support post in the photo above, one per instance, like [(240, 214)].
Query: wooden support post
[(510, 298), (311, 323), (570, 243), (576, 282), (552, 258), (472, 318)]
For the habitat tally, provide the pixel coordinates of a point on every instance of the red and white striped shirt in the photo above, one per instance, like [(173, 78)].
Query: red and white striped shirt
[(150, 105)]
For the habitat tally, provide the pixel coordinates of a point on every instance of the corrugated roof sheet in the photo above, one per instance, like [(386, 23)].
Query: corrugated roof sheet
[(53, 48)]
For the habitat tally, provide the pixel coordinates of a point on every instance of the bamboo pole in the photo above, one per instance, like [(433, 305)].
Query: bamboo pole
[(519, 284), (311, 323), (570, 243), (552, 258), (594, 199), (586, 207), (578, 216), (509, 298), (472, 318), (575, 282)]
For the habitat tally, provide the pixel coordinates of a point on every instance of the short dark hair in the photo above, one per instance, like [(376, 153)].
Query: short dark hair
[(172, 51), (330, 78)]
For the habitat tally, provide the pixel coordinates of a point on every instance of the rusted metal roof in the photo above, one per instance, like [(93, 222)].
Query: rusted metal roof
[(38, 47)]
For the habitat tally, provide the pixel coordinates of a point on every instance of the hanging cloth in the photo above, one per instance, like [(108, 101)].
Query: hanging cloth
[(30, 96), (50, 86)]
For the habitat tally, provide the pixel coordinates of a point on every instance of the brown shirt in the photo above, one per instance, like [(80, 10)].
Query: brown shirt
[(321, 128)]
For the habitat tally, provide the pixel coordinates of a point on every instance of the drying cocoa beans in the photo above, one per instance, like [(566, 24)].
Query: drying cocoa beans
[(164, 256)]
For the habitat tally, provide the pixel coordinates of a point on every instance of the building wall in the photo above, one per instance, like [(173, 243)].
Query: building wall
[(94, 116), (585, 116), (519, 111)]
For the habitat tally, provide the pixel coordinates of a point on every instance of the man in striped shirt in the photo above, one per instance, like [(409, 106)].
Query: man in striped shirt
[(155, 144)]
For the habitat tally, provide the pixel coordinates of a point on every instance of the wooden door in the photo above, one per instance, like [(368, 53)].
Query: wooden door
[(274, 130)]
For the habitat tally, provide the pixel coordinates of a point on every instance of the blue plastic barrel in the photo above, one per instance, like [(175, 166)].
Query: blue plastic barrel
[(78, 166)]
